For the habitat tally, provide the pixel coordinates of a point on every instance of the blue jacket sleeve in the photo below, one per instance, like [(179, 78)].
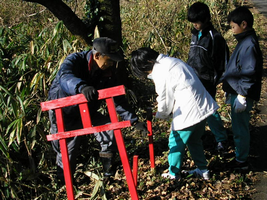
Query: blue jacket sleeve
[(68, 80), (246, 66), (220, 56)]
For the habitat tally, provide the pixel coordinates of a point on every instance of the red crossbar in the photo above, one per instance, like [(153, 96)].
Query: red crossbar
[(62, 135), (90, 130), (79, 98)]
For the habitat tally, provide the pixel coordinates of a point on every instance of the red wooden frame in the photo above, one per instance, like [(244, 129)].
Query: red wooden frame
[(115, 125)]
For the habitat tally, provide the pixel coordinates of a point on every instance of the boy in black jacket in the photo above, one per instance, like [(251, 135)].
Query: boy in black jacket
[(208, 56), (242, 81)]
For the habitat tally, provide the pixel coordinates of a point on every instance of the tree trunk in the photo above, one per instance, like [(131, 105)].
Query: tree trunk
[(109, 11), (111, 27), (111, 24)]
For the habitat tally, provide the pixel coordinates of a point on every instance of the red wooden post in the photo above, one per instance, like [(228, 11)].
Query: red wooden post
[(64, 155), (85, 115), (150, 137), (122, 150), (135, 168)]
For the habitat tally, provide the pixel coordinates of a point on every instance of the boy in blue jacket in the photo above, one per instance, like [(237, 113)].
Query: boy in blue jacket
[(242, 81), (208, 56)]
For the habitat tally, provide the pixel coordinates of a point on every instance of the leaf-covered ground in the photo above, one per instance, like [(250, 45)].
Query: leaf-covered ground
[(224, 183)]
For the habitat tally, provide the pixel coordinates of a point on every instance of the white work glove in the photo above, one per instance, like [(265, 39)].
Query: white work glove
[(240, 104)]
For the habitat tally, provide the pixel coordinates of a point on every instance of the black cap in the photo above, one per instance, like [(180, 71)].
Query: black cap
[(108, 47)]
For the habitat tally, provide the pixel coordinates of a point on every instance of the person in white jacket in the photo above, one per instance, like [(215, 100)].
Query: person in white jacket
[(181, 96)]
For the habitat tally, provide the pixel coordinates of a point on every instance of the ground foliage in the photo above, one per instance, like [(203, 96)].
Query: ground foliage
[(31, 53), (224, 183)]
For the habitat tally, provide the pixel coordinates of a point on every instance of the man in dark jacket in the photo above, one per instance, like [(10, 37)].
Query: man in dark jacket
[(86, 72), (208, 55)]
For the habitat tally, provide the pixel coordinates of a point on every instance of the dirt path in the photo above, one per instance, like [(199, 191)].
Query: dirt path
[(258, 155)]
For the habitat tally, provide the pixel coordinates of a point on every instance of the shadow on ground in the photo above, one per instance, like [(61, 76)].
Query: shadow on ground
[(258, 152)]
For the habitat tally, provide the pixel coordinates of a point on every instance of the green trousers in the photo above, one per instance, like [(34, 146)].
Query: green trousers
[(215, 122), (190, 137), (240, 128), (216, 127)]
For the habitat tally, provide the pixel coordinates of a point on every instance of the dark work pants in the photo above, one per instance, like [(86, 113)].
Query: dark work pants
[(106, 140)]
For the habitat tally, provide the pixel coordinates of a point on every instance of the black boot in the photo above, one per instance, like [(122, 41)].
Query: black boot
[(60, 176), (107, 159)]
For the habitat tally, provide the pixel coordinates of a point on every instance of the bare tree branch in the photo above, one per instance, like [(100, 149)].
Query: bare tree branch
[(69, 18)]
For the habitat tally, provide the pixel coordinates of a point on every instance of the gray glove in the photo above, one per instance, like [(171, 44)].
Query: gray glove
[(141, 126)]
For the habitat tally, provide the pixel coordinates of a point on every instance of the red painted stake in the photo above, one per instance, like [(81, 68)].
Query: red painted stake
[(150, 137), (135, 168), (65, 156), (122, 150)]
